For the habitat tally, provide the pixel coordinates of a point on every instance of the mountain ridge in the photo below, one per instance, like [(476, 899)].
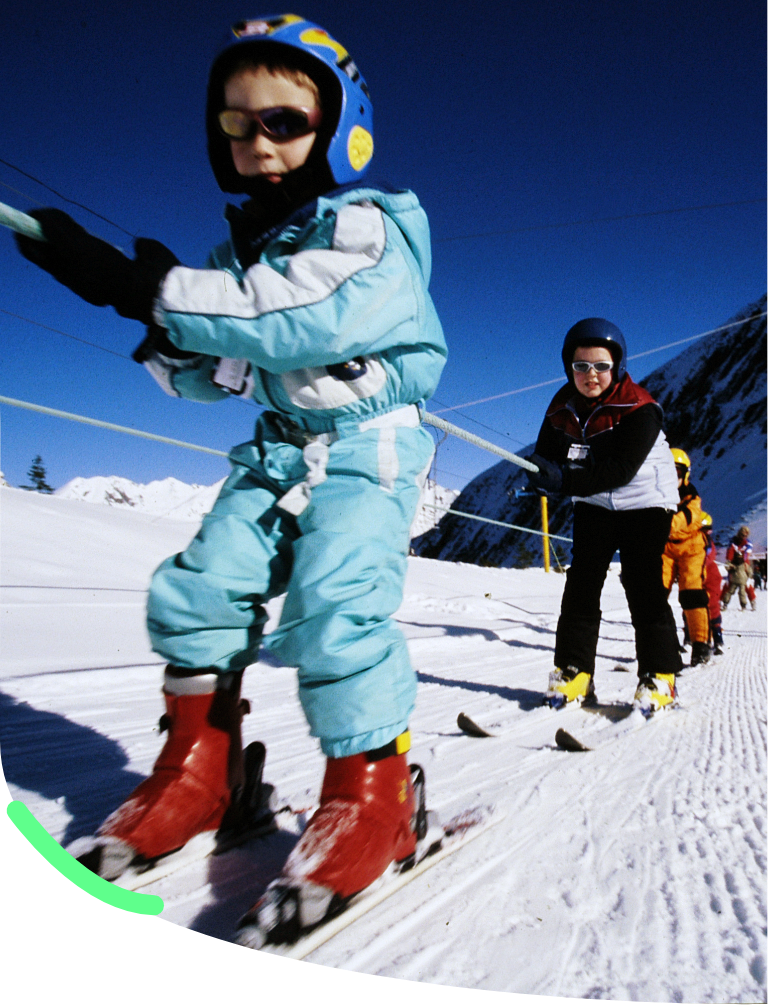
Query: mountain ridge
[(713, 395)]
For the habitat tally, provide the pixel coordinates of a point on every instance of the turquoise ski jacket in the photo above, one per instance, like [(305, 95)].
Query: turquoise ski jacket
[(343, 280)]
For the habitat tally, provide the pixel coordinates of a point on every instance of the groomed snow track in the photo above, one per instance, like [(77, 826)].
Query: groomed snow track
[(636, 872)]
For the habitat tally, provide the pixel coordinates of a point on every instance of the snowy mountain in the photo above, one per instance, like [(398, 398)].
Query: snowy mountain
[(434, 500), (168, 497), (714, 400), (179, 501), (634, 873)]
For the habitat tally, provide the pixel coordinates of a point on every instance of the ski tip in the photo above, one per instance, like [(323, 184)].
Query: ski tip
[(565, 741), (470, 727)]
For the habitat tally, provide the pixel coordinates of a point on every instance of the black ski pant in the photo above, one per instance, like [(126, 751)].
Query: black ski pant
[(639, 536)]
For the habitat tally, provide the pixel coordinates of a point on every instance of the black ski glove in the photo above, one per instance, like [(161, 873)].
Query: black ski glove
[(94, 269), (549, 477)]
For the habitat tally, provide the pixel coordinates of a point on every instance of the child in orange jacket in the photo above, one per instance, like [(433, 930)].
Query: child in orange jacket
[(685, 560)]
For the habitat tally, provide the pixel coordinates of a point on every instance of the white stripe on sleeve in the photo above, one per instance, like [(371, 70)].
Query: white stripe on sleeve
[(359, 241)]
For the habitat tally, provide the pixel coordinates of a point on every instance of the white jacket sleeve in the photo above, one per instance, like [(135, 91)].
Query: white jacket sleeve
[(343, 286)]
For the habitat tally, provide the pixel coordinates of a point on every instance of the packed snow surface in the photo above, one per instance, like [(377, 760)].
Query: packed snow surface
[(635, 872)]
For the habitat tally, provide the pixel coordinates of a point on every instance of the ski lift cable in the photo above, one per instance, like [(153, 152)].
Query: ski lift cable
[(72, 202), (451, 237), (72, 417), (637, 355), (596, 219), (431, 420), (448, 427), (58, 331), (498, 523)]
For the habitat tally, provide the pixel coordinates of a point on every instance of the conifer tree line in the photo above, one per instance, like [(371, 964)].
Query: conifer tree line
[(37, 475)]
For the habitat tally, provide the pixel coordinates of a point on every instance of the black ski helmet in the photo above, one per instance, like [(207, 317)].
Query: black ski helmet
[(597, 332)]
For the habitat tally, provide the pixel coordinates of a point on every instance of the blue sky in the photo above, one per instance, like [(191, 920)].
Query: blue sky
[(546, 142)]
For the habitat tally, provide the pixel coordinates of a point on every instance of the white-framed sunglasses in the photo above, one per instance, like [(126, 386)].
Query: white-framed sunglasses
[(584, 366)]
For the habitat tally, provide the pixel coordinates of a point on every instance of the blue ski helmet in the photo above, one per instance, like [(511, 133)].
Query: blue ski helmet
[(348, 112), (599, 332)]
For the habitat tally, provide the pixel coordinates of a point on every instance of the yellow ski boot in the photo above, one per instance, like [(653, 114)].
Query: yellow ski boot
[(570, 684), (655, 693)]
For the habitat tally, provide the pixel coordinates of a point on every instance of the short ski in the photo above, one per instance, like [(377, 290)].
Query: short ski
[(607, 735), (453, 837), (608, 711), (139, 875), (470, 727)]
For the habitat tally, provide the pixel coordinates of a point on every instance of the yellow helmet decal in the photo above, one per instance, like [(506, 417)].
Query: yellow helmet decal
[(359, 147), (316, 36)]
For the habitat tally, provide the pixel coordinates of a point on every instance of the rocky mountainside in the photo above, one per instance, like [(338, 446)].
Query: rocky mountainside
[(714, 400)]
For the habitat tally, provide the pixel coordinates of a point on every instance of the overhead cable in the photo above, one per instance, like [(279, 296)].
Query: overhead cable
[(594, 219), (72, 202), (637, 355), (497, 523), (108, 425), (58, 331)]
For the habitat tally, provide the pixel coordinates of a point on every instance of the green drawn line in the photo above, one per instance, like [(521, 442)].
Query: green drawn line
[(75, 872)]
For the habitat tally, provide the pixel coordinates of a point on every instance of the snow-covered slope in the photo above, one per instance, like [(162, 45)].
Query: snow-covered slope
[(634, 873), (434, 500), (714, 400)]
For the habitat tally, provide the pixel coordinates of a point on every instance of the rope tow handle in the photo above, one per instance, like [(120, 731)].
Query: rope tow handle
[(448, 427), (14, 219)]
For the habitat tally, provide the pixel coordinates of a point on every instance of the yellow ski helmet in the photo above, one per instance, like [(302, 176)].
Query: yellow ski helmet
[(682, 460), (706, 521)]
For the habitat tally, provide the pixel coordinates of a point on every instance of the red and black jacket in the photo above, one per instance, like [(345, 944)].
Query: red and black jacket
[(613, 434)]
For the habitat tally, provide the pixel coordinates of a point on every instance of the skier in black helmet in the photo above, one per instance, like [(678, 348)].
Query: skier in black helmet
[(602, 443)]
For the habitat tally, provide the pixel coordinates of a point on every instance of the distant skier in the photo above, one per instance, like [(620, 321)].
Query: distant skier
[(713, 584), (318, 308), (738, 563), (685, 560), (602, 443)]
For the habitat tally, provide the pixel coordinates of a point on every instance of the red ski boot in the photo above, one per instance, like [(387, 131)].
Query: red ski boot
[(196, 779), (368, 818)]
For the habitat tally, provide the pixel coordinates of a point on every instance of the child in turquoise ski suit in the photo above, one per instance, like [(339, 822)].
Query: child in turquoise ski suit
[(320, 502), (317, 308)]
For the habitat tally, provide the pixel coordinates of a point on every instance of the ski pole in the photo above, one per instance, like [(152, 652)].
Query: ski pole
[(20, 222)]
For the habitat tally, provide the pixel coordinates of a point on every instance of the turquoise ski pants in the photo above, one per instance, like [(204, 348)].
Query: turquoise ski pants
[(341, 562)]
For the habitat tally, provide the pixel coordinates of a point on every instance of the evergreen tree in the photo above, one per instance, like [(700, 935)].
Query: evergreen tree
[(37, 476)]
